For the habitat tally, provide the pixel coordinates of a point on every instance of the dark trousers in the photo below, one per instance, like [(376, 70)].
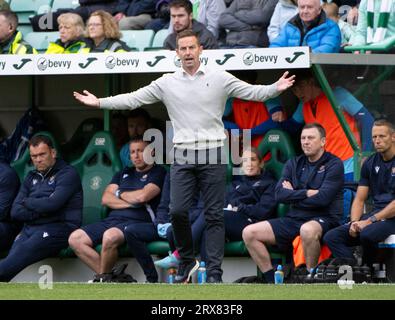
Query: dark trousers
[(185, 180), (8, 232), (340, 242), (33, 244), (234, 225), (197, 229), (138, 235)]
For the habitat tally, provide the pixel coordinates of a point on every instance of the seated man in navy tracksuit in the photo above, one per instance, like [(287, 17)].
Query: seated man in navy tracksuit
[(251, 198), (9, 186), (49, 203), (313, 185), (378, 181), (133, 196)]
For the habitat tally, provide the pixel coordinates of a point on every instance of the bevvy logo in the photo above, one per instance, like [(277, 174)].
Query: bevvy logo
[(44, 64), (112, 62), (251, 58)]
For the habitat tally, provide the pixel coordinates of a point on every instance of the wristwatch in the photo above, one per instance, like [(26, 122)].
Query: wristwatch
[(373, 219), (118, 193)]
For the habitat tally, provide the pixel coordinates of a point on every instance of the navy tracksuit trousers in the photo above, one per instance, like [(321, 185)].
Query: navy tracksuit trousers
[(33, 244), (340, 242)]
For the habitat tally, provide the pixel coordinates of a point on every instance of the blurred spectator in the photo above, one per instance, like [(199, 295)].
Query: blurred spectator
[(119, 129), (315, 107), (103, 34), (162, 16), (4, 5), (310, 28), (254, 115), (134, 14), (139, 120), (246, 22), (11, 41), (71, 29), (347, 30), (13, 147), (376, 22), (283, 12), (181, 19), (208, 13)]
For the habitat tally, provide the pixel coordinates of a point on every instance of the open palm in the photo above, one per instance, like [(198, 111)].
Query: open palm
[(284, 83), (87, 98)]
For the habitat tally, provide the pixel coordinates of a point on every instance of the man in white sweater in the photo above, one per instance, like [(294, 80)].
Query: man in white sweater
[(195, 99)]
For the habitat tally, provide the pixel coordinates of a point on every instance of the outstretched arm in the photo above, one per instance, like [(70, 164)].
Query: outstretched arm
[(87, 98), (284, 83)]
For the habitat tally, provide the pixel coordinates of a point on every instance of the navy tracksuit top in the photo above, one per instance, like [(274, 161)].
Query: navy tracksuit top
[(325, 175), (53, 197)]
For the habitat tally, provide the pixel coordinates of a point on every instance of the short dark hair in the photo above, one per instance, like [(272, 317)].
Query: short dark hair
[(138, 139), (186, 4), (304, 75), (185, 34), (11, 17), (384, 122), (139, 113), (37, 139), (317, 126)]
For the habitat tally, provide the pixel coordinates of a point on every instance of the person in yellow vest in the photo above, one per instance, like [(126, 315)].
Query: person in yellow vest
[(315, 106), (103, 34), (11, 41), (71, 30)]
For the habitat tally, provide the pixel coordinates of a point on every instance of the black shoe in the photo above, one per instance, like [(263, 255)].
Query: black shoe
[(185, 272), (214, 279), (119, 275), (101, 277)]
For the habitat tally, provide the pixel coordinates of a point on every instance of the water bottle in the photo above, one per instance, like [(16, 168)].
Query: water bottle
[(279, 275), (202, 274), (170, 275)]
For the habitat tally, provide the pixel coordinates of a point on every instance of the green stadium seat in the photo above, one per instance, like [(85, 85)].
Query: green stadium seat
[(64, 4), (24, 9), (138, 39), (24, 164), (41, 40), (279, 144), (73, 148), (96, 167), (158, 40)]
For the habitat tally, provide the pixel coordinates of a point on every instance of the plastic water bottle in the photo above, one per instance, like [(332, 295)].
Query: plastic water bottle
[(202, 274), (279, 275), (170, 276)]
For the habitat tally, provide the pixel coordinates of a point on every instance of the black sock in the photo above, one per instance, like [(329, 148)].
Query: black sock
[(269, 276)]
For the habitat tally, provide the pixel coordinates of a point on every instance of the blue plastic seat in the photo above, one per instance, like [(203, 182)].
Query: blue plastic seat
[(41, 40), (138, 39), (26, 8)]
